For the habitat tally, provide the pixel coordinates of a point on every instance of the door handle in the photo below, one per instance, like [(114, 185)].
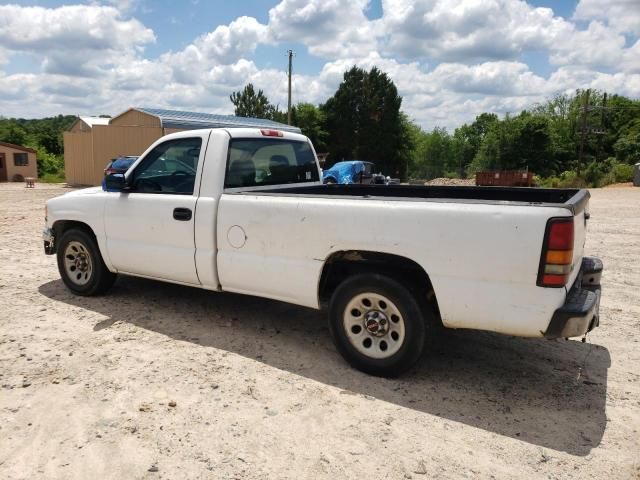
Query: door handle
[(182, 214)]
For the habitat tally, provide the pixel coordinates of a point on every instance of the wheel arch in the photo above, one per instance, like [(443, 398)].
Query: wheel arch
[(59, 228), (345, 263)]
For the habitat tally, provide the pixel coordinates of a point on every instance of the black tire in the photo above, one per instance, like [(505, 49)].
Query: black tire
[(99, 280), (415, 320)]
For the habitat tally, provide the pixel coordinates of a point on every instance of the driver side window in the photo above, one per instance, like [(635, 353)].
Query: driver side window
[(169, 168)]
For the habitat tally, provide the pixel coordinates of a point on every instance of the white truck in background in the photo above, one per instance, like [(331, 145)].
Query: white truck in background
[(244, 210)]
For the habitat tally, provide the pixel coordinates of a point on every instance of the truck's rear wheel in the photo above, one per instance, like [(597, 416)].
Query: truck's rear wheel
[(80, 264), (377, 324)]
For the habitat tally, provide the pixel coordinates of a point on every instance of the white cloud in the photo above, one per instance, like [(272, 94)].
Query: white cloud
[(468, 31), (451, 60), (621, 15), (598, 46), (228, 43), (631, 59), (224, 46), (122, 5), (4, 56), (489, 78), (78, 26), (330, 28), (73, 40), (567, 79)]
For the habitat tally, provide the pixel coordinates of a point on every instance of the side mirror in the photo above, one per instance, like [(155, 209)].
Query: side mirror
[(115, 182)]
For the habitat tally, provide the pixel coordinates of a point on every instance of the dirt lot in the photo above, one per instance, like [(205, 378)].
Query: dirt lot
[(87, 384)]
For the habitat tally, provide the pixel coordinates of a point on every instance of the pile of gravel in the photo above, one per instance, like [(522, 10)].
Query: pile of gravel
[(451, 181)]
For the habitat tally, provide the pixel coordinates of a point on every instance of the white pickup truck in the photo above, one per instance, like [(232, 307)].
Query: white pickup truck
[(244, 210)]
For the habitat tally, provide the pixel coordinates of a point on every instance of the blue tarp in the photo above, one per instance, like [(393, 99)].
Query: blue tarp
[(344, 172)]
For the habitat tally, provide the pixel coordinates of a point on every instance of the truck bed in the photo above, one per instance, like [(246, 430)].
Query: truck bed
[(572, 199)]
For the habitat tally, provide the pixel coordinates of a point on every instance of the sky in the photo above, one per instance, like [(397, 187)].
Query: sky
[(450, 59)]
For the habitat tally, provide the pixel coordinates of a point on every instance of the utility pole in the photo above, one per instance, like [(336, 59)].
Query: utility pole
[(602, 127), (583, 128), (291, 53)]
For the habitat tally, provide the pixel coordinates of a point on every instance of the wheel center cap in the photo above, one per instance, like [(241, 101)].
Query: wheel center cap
[(376, 323)]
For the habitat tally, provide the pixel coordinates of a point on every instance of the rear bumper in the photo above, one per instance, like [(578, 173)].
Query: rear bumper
[(581, 311)]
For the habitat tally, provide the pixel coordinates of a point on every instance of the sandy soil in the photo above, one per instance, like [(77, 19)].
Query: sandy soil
[(88, 385)]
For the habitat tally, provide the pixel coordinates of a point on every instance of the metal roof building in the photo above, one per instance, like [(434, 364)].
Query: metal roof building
[(175, 119), (86, 123), (92, 142)]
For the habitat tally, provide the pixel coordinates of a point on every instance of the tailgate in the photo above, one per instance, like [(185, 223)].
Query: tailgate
[(580, 235)]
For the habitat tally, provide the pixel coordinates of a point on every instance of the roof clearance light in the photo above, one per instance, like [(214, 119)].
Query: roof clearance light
[(271, 133)]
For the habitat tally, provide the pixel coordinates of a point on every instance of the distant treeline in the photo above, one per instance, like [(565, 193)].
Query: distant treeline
[(44, 135), (363, 120), (545, 139)]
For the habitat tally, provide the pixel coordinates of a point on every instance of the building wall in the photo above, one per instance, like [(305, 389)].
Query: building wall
[(111, 141), (87, 153), (135, 118), (29, 170), (78, 157), (79, 126), (88, 150)]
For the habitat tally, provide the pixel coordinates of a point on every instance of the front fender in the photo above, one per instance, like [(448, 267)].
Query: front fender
[(86, 208)]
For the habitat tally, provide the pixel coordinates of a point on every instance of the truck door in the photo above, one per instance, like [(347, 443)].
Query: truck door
[(150, 229)]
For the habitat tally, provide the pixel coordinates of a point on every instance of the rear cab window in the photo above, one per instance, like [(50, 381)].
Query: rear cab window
[(265, 161)]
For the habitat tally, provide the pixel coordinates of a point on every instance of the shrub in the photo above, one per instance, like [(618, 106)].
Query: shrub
[(596, 171), (622, 172), (53, 178), (596, 174), (571, 180)]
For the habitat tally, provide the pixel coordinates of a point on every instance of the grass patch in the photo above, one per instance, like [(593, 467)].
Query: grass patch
[(52, 178)]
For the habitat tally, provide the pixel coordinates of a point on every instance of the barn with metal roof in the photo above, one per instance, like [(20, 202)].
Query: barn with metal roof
[(92, 142)]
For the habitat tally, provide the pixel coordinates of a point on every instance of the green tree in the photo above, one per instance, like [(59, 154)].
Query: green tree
[(12, 132), (311, 119), (467, 140), (434, 152), (521, 142), (364, 121), (248, 103), (627, 148)]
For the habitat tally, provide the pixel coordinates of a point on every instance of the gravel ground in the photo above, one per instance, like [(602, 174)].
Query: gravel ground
[(452, 181), (163, 381)]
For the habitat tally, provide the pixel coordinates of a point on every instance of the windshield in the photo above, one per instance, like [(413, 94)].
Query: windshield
[(263, 161), (123, 162)]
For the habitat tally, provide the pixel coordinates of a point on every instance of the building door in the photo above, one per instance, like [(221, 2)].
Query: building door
[(3, 168)]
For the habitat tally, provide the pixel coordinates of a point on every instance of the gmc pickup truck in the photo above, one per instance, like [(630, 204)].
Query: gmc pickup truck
[(244, 210)]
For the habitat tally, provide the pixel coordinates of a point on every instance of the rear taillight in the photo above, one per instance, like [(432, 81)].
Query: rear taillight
[(556, 261)]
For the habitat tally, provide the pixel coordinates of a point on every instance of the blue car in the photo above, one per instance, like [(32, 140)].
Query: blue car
[(118, 165), (350, 171)]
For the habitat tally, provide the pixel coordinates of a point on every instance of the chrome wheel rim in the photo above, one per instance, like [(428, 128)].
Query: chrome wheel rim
[(374, 325), (77, 263)]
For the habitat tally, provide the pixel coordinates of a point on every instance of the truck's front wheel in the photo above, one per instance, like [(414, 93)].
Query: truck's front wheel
[(80, 264), (377, 324)]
